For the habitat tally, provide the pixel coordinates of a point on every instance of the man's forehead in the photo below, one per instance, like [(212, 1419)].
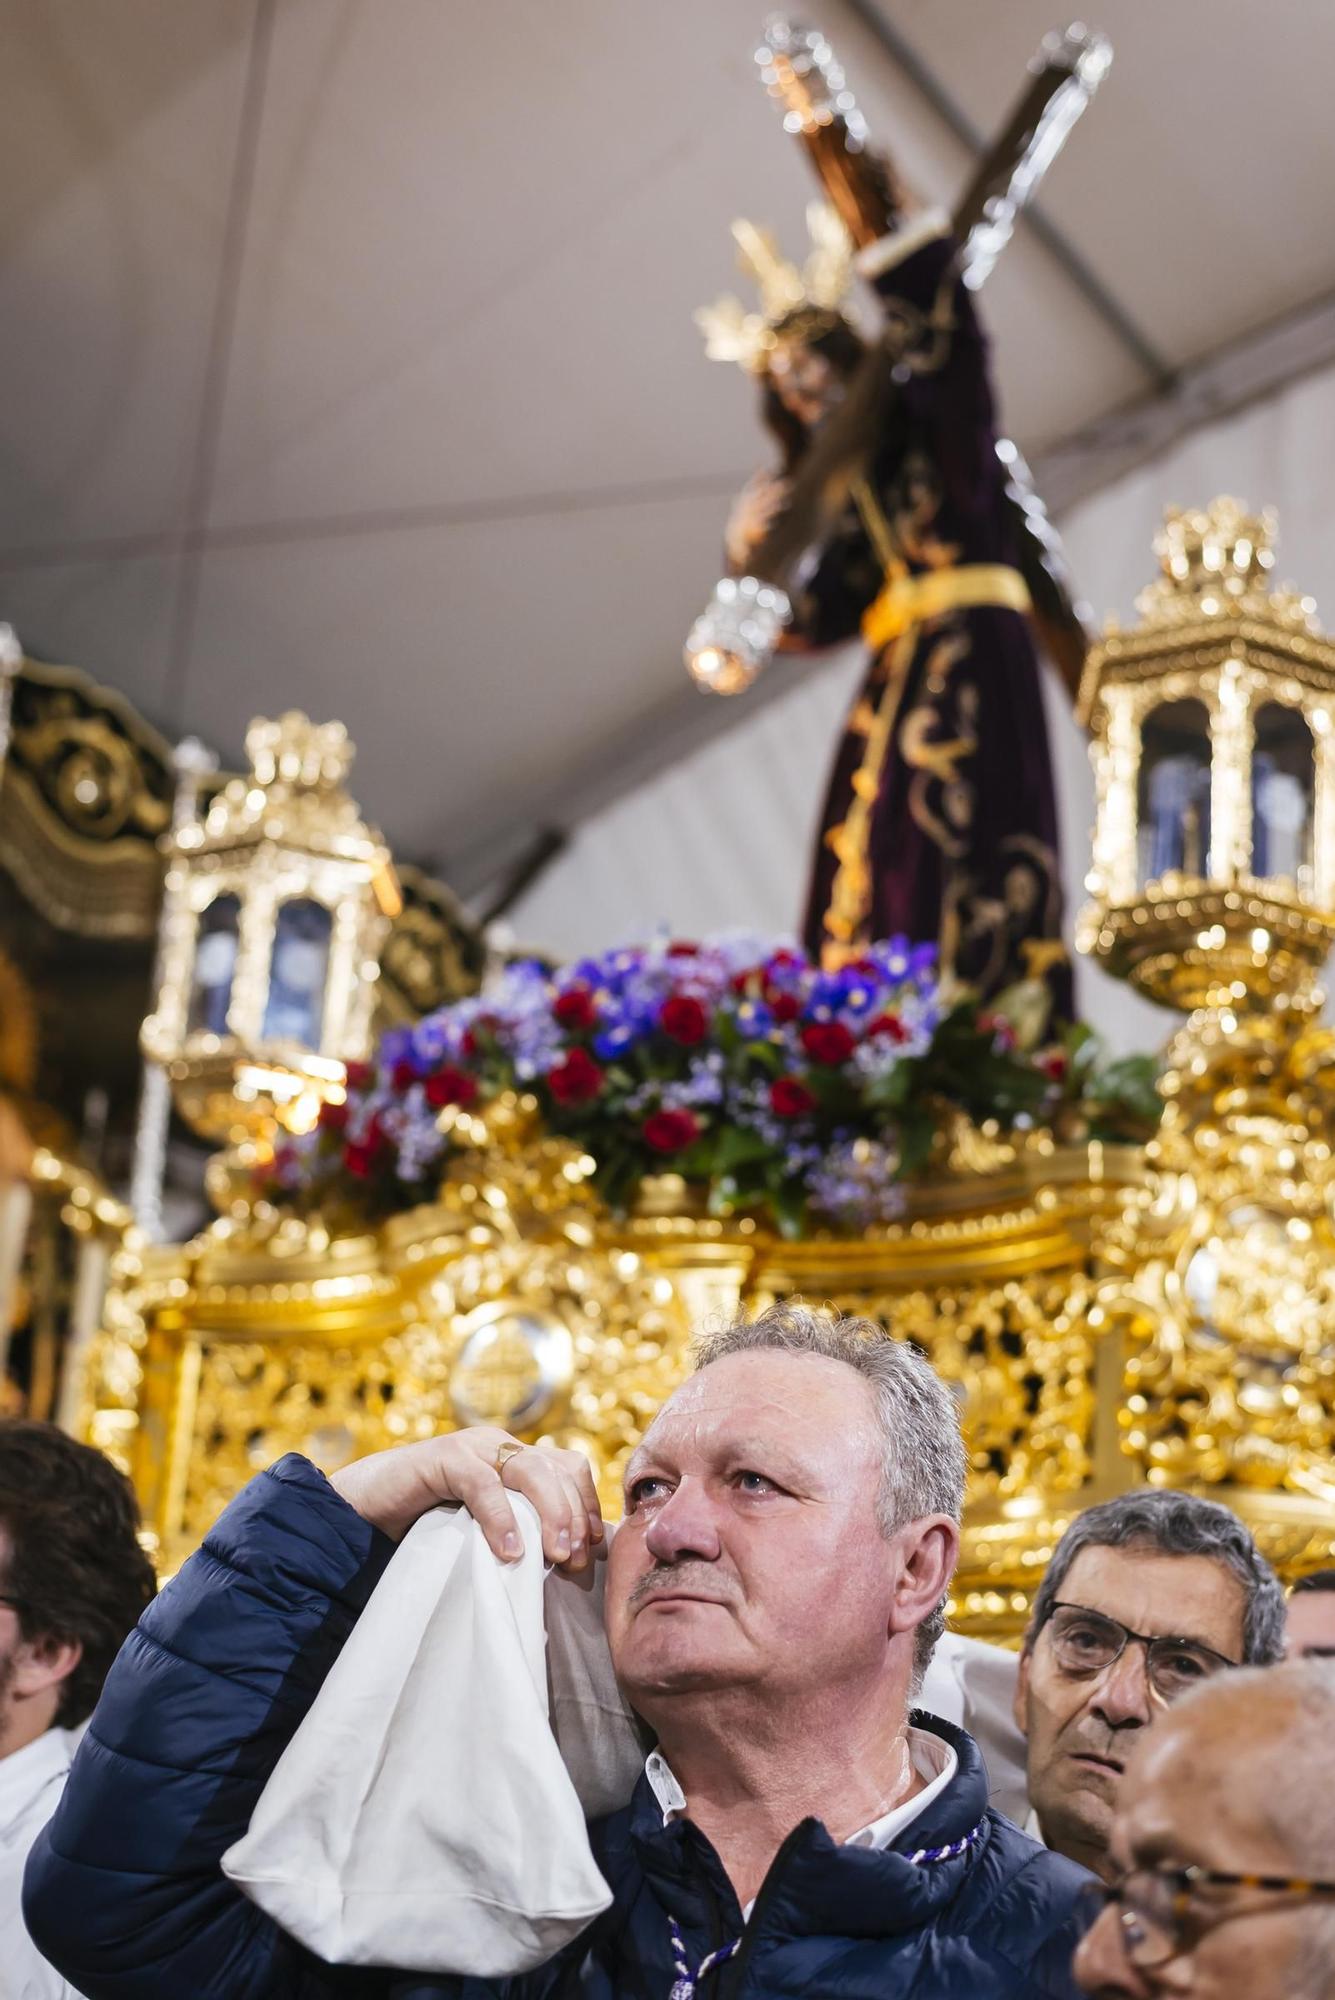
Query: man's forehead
[(1311, 1616), (1195, 1782), (1150, 1591), (806, 1402)]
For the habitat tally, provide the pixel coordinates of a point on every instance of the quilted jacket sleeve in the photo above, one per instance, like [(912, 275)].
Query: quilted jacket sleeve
[(124, 1892)]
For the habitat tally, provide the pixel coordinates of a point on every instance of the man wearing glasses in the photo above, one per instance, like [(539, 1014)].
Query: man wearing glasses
[(1146, 1596), (1222, 1870)]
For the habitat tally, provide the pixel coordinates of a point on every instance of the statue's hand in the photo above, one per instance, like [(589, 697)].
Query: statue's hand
[(753, 513), (472, 1468)]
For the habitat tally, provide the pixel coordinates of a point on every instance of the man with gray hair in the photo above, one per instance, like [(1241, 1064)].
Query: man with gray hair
[(790, 1529), (1146, 1595)]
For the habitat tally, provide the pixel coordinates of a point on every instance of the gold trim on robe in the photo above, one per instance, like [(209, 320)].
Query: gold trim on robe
[(905, 603)]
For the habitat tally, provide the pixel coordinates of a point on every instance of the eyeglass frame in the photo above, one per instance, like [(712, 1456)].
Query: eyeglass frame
[(1188, 1878), (1163, 1640)]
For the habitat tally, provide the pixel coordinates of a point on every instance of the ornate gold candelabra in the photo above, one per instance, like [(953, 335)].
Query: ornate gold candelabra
[(276, 907), (1214, 890)]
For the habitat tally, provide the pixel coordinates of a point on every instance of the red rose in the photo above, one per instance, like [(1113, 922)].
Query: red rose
[(790, 1098), (575, 1080), (468, 1043), (683, 948), (574, 1008), (359, 1075), (889, 1027), (669, 1131), (451, 1086), (1053, 1064), (333, 1117), (684, 1020), (827, 1042), (784, 1006), (359, 1160), (403, 1076)]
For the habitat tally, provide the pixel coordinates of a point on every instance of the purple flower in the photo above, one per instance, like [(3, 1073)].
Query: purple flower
[(854, 1184), (396, 1046), (754, 1018), (614, 1039), (432, 1040)]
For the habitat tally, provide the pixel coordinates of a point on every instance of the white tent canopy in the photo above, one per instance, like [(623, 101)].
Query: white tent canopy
[(349, 365)]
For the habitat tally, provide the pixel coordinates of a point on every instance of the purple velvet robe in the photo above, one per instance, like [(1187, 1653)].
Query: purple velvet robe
[(960, 842)]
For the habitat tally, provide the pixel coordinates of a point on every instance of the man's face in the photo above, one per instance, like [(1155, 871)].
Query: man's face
[(805, 382), (1309, 1630), (1195, 1795), (750, 1553), (1081, 1726)]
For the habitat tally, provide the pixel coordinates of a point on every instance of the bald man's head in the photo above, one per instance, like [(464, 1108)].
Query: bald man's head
[(1260, 1745), (1239, 1778)]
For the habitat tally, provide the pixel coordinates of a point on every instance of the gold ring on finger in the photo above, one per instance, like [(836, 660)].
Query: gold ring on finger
[(506, 1451)]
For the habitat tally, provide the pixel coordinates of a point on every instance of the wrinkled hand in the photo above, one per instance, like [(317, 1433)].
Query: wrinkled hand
[(753, 513), (391, 1489)]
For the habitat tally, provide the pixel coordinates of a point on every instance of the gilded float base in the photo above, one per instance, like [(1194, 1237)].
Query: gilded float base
[(514, 1298)]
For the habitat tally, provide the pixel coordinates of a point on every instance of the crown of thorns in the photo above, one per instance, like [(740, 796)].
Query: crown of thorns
[(813, 294)]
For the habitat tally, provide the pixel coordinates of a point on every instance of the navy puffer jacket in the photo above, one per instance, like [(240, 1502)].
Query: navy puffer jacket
[(126, 1897)]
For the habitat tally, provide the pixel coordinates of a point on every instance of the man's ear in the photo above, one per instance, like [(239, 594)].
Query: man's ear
[(928, 1550), (40, 1665), (1020, 1705)]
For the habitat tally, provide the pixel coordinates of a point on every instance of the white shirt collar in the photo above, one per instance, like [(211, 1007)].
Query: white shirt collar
[(931, 1756), (25, 1774)]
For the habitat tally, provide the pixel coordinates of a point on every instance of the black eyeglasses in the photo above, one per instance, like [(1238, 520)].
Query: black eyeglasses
[(1087, 1642), (1159, 1915)]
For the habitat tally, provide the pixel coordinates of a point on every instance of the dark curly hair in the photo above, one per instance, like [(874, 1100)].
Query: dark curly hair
[(69, 1526)]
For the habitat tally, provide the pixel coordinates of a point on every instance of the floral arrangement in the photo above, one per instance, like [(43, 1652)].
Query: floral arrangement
[(809, 1094)]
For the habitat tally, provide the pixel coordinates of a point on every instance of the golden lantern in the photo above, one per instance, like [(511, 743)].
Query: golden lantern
[(1213, 889), (276, 905), (1213, 872)]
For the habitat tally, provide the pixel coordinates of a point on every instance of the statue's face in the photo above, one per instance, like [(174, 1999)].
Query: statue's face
[(804, 381)]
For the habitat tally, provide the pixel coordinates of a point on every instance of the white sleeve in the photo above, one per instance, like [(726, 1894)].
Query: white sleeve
[(888, 251)]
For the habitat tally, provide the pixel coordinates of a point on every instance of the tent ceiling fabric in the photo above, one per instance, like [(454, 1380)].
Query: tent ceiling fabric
[(349, 360)]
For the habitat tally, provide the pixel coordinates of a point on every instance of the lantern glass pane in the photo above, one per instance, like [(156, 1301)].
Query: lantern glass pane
[(1283, 796), (298, 968), (215, 963), (1173, 795)]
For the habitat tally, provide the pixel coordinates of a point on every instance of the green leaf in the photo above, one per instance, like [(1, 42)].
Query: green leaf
[(916, 1133), (788, 1204), (893, 1087), (736, 1145)]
